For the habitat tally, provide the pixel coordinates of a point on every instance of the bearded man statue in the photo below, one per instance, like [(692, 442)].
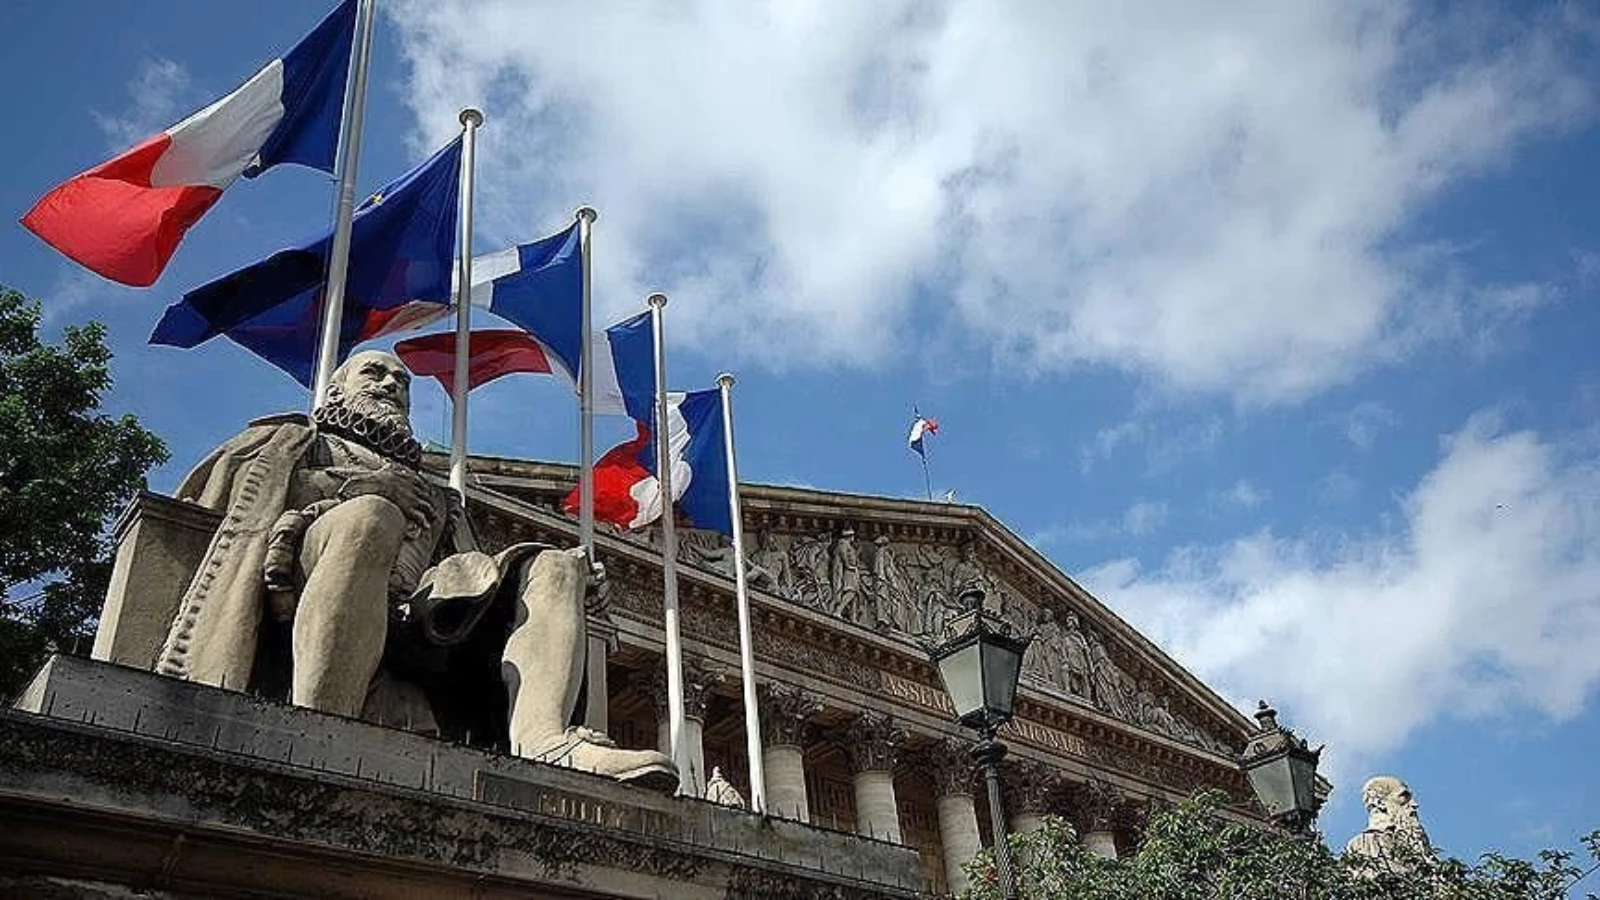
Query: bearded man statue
[(1394, 830), (348, 582)]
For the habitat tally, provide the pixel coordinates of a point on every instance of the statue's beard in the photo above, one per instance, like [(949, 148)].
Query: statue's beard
[(373, 421), (379, 409)]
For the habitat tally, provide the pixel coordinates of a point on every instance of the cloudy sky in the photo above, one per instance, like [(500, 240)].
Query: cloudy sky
[(1272, 323)]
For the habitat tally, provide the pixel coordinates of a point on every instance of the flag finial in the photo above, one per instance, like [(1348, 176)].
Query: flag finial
[(657, 300), (586, 214), (726, 379)]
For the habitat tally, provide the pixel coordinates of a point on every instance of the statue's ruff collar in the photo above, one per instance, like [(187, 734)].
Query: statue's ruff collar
[(382, 437)]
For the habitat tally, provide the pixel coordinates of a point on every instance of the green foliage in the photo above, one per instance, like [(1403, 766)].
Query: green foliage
[(1194, 852), (65, 470)]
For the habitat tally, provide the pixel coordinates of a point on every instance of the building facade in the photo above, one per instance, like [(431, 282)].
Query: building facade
[(857, 733)]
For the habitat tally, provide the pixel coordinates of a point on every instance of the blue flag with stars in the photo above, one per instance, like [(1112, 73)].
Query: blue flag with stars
[(402, 249)]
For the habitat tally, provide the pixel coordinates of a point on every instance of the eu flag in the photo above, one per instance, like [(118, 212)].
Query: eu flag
[(402, 244)]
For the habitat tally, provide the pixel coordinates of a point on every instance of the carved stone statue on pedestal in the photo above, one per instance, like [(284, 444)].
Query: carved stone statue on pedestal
[(1075, 653), (1394, 830), (344, 579)]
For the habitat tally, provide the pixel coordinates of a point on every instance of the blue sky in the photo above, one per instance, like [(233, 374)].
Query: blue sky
[(1274, 327)]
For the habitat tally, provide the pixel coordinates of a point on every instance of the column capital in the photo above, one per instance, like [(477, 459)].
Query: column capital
[(949, 762), (1030, 787), (1097, 805), (700, 677), (872, 741), (784, 711)]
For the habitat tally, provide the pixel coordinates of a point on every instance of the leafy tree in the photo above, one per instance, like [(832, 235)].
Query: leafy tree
[(1193, 852), (65, 470)]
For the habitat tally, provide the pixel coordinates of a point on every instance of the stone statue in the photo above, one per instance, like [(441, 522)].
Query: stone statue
[(893, 594), (1394, 829), (1107, 679), (1044, 654), (721, 791), (375, 595), (769, 567), (968, 572), (844, 573), (1075, 653)]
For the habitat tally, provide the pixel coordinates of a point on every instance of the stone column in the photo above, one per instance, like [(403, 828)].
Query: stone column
[(784, 710), (950, 764), (698, 680), (1029, 789), (597, 693), (872, 741), (1097, 806)]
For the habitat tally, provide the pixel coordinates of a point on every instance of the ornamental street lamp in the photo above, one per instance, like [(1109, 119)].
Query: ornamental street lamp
[(979, 661), (1283, 773)]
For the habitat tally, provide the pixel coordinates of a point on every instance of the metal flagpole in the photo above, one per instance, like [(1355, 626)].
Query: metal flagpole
[(355, 106), (586, 219), (926, 481), (470, 120), (747, 659), (669, 558)]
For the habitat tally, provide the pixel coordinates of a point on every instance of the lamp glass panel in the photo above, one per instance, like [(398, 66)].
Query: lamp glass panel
[(1274, 785), (963, 679), (1001, 668)]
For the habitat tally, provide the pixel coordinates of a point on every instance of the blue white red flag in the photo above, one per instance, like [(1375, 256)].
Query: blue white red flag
[(920, 429), (627, 492), (402, 243), (124, 218), (494, 352)]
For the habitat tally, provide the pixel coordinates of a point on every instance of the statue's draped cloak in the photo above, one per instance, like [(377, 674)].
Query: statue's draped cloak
[(216, 632)]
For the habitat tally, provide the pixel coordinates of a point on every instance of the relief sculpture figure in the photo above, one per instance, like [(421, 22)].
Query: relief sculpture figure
[(346, 580), (769, 567), (895, 608), (1075, 656), (844, 573)]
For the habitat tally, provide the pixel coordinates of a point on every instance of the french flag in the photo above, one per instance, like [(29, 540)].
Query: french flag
[(538, 286), (494, 352), (921, 428), (124, 218), (627, 492)]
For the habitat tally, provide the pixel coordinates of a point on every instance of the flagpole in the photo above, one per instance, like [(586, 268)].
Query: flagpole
[(926, 481), (355, 106), (470, 120), (586, 218), (669, 558), (747, 659)]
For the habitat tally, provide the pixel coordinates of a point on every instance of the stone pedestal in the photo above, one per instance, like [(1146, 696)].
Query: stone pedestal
[(1101, 843), (784, 710), (116, 783), (160, 542), (872, 742)]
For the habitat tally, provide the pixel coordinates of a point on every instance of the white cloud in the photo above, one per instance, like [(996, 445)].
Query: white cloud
[(1213, 196), (1482, 601), (160, 94), (1140, 519), (1242, 494), (1365, 421)]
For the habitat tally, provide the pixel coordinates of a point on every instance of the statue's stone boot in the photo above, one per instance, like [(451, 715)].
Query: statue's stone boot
[(588, 750)]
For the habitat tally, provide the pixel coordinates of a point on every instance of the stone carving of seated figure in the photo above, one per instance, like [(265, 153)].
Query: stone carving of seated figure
[(343, 579)]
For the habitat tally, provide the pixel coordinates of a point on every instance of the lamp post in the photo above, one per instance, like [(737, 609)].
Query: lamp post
[(1283, 773), (979, 660)]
